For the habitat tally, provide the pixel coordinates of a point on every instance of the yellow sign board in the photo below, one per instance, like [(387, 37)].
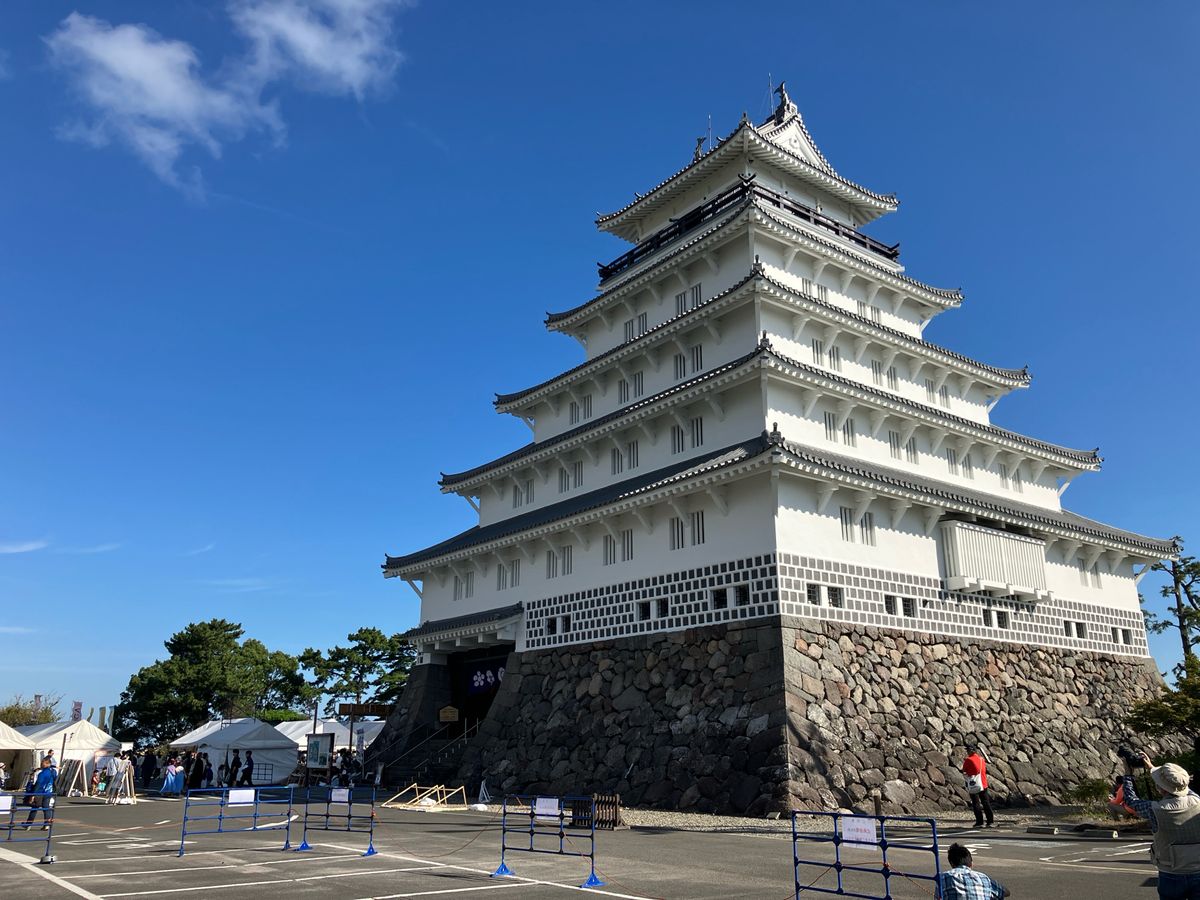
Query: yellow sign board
[(448, 714)]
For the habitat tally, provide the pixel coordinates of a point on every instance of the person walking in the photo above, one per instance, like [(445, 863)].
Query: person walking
[(149, 765), (247, 771), (234, 766), (208, 772), (196, 777), (42, 795), (974, 767), (962, 882), (1175, 823)]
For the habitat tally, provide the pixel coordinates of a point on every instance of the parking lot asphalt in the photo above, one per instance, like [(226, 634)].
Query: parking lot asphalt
[(132, 851)]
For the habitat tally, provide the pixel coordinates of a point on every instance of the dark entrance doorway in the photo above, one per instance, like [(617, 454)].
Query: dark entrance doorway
[(475, 677)]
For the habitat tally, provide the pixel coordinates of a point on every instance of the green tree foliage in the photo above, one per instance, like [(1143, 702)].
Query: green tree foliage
[(1183, 592), (207, 674), (19, 711), (373, 668), (1176, 711)]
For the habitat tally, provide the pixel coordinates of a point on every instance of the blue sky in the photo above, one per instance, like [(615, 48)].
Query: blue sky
[(262, 266)]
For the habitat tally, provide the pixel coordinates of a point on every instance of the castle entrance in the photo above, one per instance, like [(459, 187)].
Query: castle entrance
[(475, 678)]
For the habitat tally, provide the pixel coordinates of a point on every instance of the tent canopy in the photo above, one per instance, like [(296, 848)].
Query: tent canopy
[(11, 739), (81, 736), (194, 737), (298, 732), (275, 756)]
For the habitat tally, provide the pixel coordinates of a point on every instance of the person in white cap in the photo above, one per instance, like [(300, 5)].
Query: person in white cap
[(1175, 821)]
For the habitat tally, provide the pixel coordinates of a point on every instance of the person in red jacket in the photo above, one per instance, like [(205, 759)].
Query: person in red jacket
[(974, 767)]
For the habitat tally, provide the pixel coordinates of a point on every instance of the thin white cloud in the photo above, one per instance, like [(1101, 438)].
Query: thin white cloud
[(151, 94), (5, 68), (16, 629), (205, 549), (335, 46), (240, 585), (23, 547), (97, 548)]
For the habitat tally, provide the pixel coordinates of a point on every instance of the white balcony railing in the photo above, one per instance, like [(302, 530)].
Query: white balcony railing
[(984, 560)]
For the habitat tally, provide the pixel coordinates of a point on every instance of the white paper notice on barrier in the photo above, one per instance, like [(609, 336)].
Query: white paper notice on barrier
[(546, 809), (6, 804), (240, 797), (339, 795), (859, 830)]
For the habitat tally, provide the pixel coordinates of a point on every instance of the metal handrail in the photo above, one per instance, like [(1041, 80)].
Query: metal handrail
[(418, 745), (726, 200)]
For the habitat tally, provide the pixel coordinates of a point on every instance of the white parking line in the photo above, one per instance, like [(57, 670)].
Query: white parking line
[(518, 878), (23, 860), (270, 862), (221, 887), (481, 887)]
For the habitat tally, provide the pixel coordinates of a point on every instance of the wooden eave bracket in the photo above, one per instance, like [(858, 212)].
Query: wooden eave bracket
[(899, 507), (645, 519), (715, 405), (865, 499), (939, 438), (878, 417), (709, 261), (990, 456), (932, 515), (824, 494), (811, 396), (717, 495), (651, 433), (1036, 468), (861, 344), (799, 320), (844, 410), (578, 532), (471, 500), (411, 582), (848, 276)]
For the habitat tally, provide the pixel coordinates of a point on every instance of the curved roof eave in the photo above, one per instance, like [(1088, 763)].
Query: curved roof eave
[(1068, 456), (802, 458), (865, 198), (1015, 378), (943, 297)]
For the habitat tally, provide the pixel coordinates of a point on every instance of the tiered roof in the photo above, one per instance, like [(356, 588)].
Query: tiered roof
[(765, 353), (763, 141), (759, 279), (757, 202), (773, 448)]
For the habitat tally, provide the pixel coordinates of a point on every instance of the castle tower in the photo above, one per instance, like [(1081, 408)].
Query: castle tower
[(765, 544)]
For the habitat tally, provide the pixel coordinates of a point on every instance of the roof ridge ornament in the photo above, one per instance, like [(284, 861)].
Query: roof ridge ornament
[(786, 107), (764, 342), (699, 151)]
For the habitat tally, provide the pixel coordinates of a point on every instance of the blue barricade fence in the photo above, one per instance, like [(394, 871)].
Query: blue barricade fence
[(233, 809), (344, 809), (19, 823), (563, 826), (860, 848)]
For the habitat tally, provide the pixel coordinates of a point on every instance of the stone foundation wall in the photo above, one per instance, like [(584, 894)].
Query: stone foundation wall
[(763, 716)]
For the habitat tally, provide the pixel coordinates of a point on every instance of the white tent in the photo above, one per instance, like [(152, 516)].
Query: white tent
[(370, 730), (298, 732), (274, 755), (196, 735), (17, 754), (72, 740)]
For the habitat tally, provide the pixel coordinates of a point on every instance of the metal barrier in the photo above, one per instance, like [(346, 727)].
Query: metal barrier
[(9, 807), (560, 819), (234, 809), (870, 834), (339, 812)]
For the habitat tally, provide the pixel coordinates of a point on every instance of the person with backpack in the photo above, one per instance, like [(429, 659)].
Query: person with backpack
[(974, 767)]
